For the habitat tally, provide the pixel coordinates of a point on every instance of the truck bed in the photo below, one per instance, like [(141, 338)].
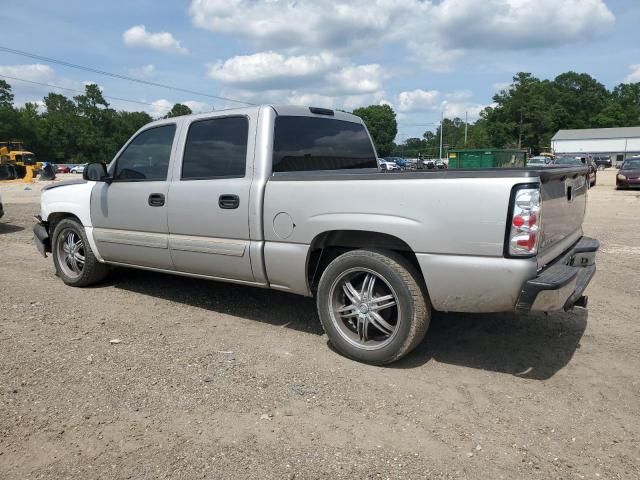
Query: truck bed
[(544, 174)]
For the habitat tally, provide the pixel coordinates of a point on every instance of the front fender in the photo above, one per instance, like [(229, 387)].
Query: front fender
[(71, 200)]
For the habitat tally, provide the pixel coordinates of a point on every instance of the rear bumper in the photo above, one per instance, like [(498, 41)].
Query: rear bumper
[(560, 286), (41, 237)]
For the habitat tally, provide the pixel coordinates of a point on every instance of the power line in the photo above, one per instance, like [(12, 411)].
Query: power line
[(117, 75), (73, 90)]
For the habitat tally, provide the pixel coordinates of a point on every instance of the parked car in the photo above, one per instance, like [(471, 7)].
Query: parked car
[(290, 198), (429, 164), (441, 165), (387, 166), (63, 169), (400, 162), (602, 161), (593, 170), (1, 208), (77, 169), (629, 174), (571, 160), (539, 161)]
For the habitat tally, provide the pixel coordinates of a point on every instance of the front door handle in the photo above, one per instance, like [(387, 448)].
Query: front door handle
[(156, 199), (229, 202)]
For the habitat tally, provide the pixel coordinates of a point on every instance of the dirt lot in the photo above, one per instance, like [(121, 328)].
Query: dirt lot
[(221, 381)]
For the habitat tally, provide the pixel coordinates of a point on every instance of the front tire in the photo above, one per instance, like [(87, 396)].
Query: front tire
[(372, 306), (73, 258)]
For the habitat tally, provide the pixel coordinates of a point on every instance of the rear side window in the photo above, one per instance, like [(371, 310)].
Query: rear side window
[(216, 148), (146, 158), (312, 143)]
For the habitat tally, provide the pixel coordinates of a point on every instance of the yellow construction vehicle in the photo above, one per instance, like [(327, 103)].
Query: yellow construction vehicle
[(16, 163)]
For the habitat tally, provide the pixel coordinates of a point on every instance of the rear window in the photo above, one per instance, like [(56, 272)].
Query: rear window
[(311, 143)]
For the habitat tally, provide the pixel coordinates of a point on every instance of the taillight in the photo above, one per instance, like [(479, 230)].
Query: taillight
[(525, 222)]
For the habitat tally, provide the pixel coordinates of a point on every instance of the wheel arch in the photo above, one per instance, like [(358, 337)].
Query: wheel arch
[(54, 218), (328, 245)]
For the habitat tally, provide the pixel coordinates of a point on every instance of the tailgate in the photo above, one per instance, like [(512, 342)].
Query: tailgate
[(564, 199)]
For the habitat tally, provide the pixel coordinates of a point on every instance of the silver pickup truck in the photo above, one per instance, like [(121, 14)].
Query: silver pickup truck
[(291, 198)]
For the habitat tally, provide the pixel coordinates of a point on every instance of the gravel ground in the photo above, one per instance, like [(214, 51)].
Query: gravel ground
[(210, 380)]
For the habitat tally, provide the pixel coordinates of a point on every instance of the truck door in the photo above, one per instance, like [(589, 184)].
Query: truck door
[(129, 214), (209, 207)]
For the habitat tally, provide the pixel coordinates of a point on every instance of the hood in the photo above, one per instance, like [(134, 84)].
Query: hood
[(75, 181)]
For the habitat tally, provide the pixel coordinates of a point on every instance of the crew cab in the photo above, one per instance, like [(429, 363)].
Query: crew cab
[(291, 198)]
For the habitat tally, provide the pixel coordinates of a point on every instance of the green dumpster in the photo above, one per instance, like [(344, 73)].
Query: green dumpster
[(487, 158)]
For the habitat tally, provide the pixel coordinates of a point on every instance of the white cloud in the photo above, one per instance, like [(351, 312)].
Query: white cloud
[(137, 36), (453, 104), (36, 72), (159, 108), (342, 102), (267, 68), (419, 100), (145, 71), (499, 86), (460, 109), (279, 23), (197, 107), (634, 74), (520, 24), (435, 34), (42, 74), (357, 78), (323, 79)]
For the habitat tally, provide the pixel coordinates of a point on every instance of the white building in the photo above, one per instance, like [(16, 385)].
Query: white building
[(617, 143)]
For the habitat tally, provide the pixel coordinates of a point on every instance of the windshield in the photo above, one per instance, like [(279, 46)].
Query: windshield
[(538, 160), (631, 164), (568, 161)]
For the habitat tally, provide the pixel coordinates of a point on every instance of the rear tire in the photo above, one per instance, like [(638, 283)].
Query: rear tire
[(372, 306), (73, 258)]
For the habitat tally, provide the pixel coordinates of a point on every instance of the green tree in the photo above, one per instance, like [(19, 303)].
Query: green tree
[(126, 123), (7, 112), (382, 125), (6, 96), (96, 124), (626, 98), (580, 97), (28, 125), (59, 129), (177, 110)]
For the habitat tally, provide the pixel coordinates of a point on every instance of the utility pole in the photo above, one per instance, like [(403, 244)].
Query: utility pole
[(466, 124), (441, 133)]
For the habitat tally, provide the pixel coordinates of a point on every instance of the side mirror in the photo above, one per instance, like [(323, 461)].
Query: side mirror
[(95, 172)]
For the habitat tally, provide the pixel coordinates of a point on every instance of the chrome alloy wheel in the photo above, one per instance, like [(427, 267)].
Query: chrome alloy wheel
[(71, 253), (364, 308)]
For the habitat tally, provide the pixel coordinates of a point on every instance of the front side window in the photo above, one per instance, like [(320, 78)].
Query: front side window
[(312, 143), (216, 148), (147, 157)]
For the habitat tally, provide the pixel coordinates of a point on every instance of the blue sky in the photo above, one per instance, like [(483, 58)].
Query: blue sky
[(422, 57)]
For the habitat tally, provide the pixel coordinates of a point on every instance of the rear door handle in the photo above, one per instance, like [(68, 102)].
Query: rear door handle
[(156, 199), (229, 202)]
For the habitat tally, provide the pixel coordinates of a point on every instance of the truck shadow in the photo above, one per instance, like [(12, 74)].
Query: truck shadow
[(533, 346), (8, 228), (267, 306)]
